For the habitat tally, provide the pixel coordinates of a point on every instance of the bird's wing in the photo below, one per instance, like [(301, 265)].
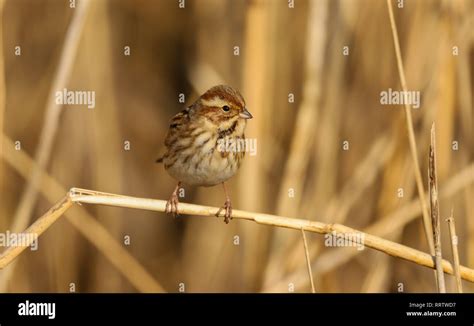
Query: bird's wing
[(177, 125)]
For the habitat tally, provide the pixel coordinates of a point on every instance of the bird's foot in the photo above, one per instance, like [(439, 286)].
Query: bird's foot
[(172, 205), (228, 211)]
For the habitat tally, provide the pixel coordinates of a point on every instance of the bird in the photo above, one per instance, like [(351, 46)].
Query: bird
[(197, 151)]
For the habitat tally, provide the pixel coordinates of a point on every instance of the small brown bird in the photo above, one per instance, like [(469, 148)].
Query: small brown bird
[(197, 154)]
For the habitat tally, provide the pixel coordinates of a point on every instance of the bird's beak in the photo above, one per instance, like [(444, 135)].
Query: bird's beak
[(245, 114)]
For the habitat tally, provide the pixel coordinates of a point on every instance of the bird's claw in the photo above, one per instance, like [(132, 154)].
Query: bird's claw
[(172, 205), (228, 211)]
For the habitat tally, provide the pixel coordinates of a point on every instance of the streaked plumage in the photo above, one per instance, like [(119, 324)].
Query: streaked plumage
[(192, 155)]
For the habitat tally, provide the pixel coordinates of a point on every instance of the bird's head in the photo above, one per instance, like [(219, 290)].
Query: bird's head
[(223, 105)]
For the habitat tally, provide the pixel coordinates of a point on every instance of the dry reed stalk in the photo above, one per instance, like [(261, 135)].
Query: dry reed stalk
[(53, 111), (27, 201), (434, 204), (326, 147), (411, 133), (85, 196), (214, 47), (445, 106), (259, 45), (464, 85), (85, 223), (105, 145), (254, 88), (307, 117), (308, 261), (382, 228), (303, 135), (469, 211), (37, 228), (464, 81), (454, 248)]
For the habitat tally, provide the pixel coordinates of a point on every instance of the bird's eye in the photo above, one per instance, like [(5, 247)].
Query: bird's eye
[(226, 108)]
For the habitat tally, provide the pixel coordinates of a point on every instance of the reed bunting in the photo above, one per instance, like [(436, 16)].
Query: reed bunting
[(195, 155)]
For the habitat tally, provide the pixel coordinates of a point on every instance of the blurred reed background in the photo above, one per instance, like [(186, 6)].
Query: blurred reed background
[(282, 51)]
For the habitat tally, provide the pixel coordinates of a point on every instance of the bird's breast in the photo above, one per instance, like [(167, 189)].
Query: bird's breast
[(205, 159)]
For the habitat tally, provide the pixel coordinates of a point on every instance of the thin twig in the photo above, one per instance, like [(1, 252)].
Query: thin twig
[(37, 228), (433, 190), (411, 134), (454, 248), (370, 241), (308, 261)]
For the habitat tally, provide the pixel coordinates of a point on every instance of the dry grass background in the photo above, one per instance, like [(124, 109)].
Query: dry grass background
[(282, 51)]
